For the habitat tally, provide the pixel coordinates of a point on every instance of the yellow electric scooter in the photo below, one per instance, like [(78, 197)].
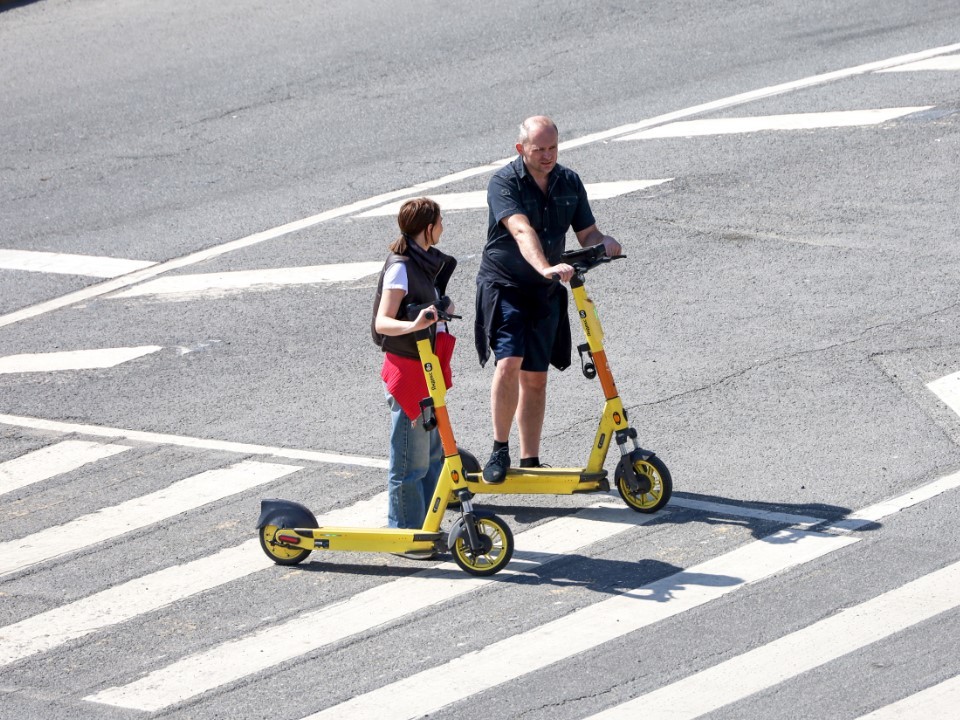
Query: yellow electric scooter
[(641, 478), (481, 543)]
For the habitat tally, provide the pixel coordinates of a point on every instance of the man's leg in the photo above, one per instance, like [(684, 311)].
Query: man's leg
[(530, 411), (504, 396)]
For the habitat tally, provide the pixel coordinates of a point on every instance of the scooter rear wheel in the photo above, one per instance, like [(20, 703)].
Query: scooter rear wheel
[(280, 554), (495, 551), (656, 474)]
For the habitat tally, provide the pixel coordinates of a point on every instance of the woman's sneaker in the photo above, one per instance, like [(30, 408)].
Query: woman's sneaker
[(496, 467)]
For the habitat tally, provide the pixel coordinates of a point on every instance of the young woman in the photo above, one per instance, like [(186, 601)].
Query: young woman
[(414, 273)]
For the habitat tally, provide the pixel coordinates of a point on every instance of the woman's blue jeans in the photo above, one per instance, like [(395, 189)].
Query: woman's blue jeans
[(416, 458)]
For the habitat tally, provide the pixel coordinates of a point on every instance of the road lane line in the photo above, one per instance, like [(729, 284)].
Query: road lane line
[(73, 359), (420, 188), (190, 442), (50, 629), (796, 121), (477, 199), (67, 264), (939, 701), (138, 276), (420, 694), (190, 287), (365, 611), (948, 390), (47, 462), (796, 653), (111, 522), (948, 62)]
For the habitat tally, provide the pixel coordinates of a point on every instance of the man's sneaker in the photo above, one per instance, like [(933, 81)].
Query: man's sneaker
[(418, 554), (496, 468)]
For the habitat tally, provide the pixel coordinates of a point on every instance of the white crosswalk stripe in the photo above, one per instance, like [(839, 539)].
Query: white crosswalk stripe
[(797, 652), (312, 630), (43, 632), (53, 460), (137, 513), (939, 702)]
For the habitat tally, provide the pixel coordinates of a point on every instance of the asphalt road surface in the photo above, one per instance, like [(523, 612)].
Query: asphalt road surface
[(195, 199)]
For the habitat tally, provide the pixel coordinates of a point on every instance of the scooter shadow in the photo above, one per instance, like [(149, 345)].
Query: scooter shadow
[(650, 580), (762, 518)]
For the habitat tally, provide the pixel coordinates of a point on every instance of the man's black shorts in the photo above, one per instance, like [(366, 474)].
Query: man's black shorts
[(526, 327)]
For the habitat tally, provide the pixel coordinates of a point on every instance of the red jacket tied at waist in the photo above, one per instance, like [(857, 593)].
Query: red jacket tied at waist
[(404, 378)]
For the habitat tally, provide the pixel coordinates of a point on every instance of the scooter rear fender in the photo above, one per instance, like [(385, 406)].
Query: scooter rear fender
[(285, 514)]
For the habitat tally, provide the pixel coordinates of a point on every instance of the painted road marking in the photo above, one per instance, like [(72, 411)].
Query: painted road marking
[(183, 679), (372, 608), (948, 389), (190, 442), (66, 264), (948, 62), (591, 626), (798, 652), (588, 627), (115, 605), (47, 462), (48, 630), (939, 701), (420, 188), (73, 359), (799, 121), (188, 287), (477, 199), (111, 522)]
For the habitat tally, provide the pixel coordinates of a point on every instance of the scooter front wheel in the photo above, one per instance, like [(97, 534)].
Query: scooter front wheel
[(653, 474), (279, 553), (496, 547)]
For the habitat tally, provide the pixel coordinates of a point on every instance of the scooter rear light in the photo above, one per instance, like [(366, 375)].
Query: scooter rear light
[(292, 539)]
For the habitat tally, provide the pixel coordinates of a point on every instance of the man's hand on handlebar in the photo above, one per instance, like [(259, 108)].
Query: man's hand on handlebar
[(611, 245), (561, 271)]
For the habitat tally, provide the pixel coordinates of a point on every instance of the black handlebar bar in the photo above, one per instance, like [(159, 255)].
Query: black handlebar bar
[(587, 258), (442, 304)]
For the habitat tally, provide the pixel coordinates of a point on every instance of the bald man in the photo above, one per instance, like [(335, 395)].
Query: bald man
[(521, 309)]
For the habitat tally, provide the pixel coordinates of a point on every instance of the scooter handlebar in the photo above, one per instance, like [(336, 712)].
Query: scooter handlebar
[(442, 304)]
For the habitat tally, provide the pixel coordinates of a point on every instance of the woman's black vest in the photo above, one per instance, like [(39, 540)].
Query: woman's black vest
[(427, 276)]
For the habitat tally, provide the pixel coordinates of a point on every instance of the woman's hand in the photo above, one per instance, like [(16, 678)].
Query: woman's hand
[(426, 318)]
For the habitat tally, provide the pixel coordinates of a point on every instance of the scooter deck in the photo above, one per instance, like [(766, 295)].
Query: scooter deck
[(542, 481), (365, 539)]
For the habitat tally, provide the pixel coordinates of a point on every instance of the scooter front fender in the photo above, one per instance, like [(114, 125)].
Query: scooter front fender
[(459, 528), (285, 514)]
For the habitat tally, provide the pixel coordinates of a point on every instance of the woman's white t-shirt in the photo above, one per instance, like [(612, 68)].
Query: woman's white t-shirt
[(395, 278)]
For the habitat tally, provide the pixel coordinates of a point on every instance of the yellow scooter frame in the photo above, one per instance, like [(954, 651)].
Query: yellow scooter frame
[(641, 478), (481, 542)]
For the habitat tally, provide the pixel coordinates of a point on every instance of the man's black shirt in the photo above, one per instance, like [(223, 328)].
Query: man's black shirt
[(511, 191)]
